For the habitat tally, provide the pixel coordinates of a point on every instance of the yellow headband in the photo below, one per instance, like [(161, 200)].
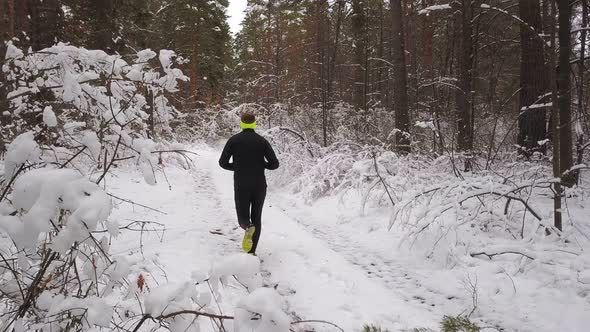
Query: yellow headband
[(248, 125)]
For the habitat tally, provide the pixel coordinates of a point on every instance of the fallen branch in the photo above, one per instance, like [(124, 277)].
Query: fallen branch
[(176, 151), (142, 224), (138, 204), (293, 132), (301, 137), (524, 203), (182, 312), (196, 313), (221, 318), (317, 321), (473, 254)]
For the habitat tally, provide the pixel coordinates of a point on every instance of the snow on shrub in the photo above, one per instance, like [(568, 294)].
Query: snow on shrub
[(87, 100), (23, 149), (182, 306), (43, 194), (49, 117)]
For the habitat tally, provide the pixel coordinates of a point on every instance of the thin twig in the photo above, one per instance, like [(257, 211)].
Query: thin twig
[(73, 157), (381, 178), (108, 167), (12, 179)]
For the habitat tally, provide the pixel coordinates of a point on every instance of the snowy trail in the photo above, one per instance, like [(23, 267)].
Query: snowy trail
[(318, 279)]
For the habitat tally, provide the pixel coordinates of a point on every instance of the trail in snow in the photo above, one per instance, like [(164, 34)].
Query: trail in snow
[(317, 279)]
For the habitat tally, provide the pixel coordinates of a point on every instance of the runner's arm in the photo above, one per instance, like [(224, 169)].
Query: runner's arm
[(271, 158), (225, 155)]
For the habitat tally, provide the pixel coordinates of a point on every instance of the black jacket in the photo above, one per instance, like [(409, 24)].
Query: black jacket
[(252, 154)]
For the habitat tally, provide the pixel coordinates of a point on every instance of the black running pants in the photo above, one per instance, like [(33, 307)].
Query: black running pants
[(249, 202)]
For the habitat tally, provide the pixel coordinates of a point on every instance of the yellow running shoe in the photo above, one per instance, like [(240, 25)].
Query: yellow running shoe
[(247, 243)]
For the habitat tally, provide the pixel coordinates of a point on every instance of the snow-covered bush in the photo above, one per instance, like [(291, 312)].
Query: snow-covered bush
[(53, 265), (74, 115), (502, 210), (314, 171), (345, 123), (71, 97)]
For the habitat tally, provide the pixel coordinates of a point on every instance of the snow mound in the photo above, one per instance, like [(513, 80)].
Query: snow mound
[(261, 311), (243, 266), (170, 298)]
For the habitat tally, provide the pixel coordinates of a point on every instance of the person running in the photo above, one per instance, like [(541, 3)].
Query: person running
[(251, 154)]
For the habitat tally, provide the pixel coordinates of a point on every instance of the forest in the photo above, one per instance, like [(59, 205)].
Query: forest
[(417, 138)]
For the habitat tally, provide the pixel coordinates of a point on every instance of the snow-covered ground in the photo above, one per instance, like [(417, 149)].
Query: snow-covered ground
[(327, 261)]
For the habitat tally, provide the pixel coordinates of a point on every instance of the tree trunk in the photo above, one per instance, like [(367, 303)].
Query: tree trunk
[(426, 60), (277, 56), (322, 28), (555, 120), (359, 35), (45, 22), (7, 25), (104, 24), (533, 81), (332, 70), (381, 52), (151, 113), (194, 78), (410, 36), (400, 77), (463, 94), (564, 100), (581, 104)]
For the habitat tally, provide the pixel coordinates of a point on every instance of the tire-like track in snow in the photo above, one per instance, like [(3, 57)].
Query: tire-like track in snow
[(395, 275)]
